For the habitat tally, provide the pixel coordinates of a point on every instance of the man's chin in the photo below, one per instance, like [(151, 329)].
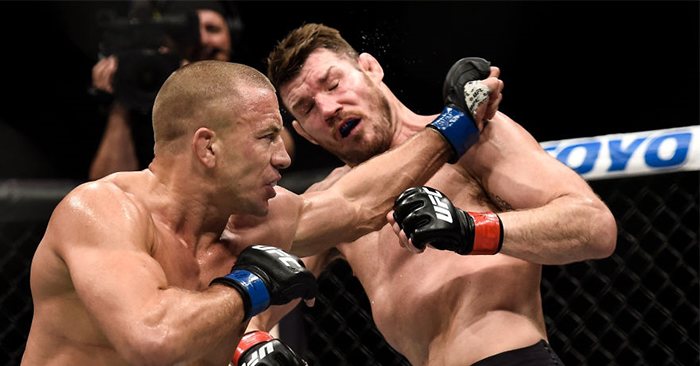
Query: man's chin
[(261, 211), (365, 150), (250, 208)]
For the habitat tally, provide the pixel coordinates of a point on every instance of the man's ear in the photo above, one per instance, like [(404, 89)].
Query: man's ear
[(202, 143), (371, 66), (301, 131)]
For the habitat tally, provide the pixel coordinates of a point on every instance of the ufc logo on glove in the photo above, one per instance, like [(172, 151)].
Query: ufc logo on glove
[(441, 210), (259, 354), (283, 257)]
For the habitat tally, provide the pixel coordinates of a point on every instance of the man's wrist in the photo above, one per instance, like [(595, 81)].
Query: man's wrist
[(458, 129), (435, 138), (256, 297)]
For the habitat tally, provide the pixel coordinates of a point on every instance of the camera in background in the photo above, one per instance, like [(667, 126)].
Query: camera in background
[(148, 47)]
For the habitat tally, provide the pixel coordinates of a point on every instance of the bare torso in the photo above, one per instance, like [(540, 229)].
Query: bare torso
[(440, 308), (64, 333)]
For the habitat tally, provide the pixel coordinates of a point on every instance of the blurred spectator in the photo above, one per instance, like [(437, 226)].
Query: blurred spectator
[(128, 137)]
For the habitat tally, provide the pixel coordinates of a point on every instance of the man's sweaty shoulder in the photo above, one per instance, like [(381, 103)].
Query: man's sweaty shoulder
[(98, 208), (89, 211)]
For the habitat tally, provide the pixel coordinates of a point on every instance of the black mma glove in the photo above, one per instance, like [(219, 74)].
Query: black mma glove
[(265, 276), (260, 349), (428, 217), (456, 122)]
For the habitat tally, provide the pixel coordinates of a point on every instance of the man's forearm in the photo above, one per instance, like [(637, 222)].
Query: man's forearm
[(373, 186), (358, 202), (568, 229), (116, 151)]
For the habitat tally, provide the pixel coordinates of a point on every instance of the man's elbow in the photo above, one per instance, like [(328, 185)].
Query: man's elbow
[(372, 220), (604, 234), (152, 347)]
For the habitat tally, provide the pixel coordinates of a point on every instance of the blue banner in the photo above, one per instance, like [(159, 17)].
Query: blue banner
[(630, 154)]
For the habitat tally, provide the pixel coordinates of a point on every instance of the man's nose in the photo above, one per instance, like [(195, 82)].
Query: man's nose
[(280, 157), (204, 37), (328, 106)]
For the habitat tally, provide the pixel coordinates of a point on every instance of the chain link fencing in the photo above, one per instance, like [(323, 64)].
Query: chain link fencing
[(637, 307)]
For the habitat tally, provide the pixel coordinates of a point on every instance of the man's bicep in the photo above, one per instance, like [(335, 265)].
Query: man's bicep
[(110, 266), (112, 283), (516, 172), (534, 181), (119, 287)]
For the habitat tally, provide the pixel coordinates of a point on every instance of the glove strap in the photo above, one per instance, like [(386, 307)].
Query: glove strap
[(488, 233), (249, 340), (252, 289), (458, 128)]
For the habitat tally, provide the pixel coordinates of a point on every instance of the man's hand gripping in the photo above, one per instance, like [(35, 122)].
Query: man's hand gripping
[(472, 93)]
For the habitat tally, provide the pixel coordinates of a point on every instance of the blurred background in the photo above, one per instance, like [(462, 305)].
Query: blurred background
[(571, 69)]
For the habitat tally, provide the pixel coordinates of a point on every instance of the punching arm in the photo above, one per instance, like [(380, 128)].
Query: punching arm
[(358, 202)]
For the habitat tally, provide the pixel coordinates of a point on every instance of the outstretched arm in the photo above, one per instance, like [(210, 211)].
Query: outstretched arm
[(357, 203), (354, 201)]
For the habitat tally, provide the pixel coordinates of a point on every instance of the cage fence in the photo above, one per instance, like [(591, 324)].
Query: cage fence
[(637, 307)]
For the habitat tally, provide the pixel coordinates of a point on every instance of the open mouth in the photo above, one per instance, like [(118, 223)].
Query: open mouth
[(348, 126)]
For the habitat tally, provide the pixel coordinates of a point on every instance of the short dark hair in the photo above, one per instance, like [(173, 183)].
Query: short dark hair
[(287, 58)]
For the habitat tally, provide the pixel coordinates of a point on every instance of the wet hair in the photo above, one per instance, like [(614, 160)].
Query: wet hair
[(287, 58), (202, 94)]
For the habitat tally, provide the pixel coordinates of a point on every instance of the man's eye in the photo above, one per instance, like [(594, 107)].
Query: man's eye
[(334, 85), (269, 136), (213, 29)]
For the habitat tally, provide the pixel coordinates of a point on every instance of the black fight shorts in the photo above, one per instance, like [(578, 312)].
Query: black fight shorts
[(539, 354)]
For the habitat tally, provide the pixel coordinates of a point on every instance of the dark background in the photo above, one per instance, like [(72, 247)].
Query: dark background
[(571, 69)]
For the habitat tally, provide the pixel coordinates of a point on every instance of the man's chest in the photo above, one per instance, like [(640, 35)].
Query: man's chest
[(463, 190), (193, 271)]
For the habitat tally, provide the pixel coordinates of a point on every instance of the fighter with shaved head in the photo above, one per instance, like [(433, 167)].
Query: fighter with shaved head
[(135, 268)]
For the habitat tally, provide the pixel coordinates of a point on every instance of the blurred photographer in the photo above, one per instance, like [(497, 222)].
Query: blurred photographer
[(140, 53)]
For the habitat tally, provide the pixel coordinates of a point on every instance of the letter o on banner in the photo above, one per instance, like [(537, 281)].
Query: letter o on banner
[(590, 151), (663, 146)]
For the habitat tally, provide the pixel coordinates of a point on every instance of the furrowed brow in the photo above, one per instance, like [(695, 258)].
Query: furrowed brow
[(300, 105), (324, 78)]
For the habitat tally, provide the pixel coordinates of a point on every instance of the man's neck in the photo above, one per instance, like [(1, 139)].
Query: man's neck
[(184, 209), (408, 124)]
